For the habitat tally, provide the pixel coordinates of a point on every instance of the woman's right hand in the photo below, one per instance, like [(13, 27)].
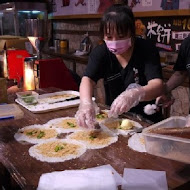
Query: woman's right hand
[(86, 113), (126, 100)]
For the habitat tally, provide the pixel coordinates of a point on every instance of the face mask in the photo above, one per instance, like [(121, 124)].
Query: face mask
[(119, 46)]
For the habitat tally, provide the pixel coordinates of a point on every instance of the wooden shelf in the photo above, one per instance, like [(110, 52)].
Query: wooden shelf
[(182, 12), (81, 16)]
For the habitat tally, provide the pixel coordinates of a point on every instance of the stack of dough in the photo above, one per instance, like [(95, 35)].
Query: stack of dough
[(183, 132)]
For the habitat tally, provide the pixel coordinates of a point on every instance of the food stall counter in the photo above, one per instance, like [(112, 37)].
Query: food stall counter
[(26, 170)]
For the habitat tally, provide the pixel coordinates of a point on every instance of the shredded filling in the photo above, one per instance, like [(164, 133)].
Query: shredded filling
[(142, 141), (58, 149), (113, 124), (40, 133), (62, 96), (101, 116), (68, 123), (92, 137)]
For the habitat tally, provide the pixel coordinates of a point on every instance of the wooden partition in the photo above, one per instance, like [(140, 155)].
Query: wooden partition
[(182, 12)]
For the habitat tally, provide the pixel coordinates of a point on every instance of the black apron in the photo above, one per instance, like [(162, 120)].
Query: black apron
[(118, 79)]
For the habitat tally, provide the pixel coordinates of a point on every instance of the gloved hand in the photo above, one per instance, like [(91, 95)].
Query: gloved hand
[(127, 99), (86, 113)]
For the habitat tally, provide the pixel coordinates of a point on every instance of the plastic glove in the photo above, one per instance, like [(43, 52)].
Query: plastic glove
[(86, 113), (127, 99)]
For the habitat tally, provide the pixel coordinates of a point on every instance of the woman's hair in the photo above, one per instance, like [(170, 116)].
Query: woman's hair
[(119, 17)]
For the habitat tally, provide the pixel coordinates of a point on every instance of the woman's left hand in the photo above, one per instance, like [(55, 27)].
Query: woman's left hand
[(126, 100)]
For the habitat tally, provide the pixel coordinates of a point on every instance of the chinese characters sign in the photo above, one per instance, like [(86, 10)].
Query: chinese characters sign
[(167, 33)]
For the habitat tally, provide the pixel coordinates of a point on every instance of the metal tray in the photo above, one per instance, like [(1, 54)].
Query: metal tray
[(45, 105)]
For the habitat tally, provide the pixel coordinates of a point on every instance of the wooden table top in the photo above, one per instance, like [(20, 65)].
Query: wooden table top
[(26, 170)]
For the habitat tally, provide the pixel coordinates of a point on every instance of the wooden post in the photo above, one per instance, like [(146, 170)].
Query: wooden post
[(3, 90)]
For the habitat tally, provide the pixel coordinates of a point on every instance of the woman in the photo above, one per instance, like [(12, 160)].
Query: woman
[(121, 61)]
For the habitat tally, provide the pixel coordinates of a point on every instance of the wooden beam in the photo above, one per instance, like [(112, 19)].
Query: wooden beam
[(182, 12), (81, 16), (77, 32)]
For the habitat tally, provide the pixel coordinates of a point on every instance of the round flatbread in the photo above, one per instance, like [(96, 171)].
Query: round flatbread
[(121, 126), (57, 150), (55, 97), (64, 124), (94, 139), (102, 116), (137, 142), (35, 134)]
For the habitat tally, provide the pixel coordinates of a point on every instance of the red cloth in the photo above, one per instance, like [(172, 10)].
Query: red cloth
[(54, 73)]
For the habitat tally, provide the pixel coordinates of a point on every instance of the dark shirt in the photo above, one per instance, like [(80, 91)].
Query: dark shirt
[(143, 66), (183, 60)]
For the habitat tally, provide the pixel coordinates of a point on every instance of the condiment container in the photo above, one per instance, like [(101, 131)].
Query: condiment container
[(28, 97), (167, 146), (64, 44), (56, 44), (10, 111)]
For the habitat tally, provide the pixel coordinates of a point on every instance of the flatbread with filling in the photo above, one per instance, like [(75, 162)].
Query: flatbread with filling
[(121, 126), (94, 139), (35, 134), (55, 97), (102, 116), (137, 143), (57, 150), (64, 124)]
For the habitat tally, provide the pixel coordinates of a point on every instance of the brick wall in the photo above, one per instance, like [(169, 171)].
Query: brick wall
[(74, 30)]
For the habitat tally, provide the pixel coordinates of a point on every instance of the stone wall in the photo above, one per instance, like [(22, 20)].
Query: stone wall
[(73, 31)]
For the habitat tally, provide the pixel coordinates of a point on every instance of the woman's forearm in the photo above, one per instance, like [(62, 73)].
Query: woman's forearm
[(153, 89), (86, 89)]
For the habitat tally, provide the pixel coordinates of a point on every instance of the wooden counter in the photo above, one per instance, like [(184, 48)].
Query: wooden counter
[(26, 170)]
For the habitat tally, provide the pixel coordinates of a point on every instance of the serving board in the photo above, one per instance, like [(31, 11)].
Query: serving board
[(47, 103)]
